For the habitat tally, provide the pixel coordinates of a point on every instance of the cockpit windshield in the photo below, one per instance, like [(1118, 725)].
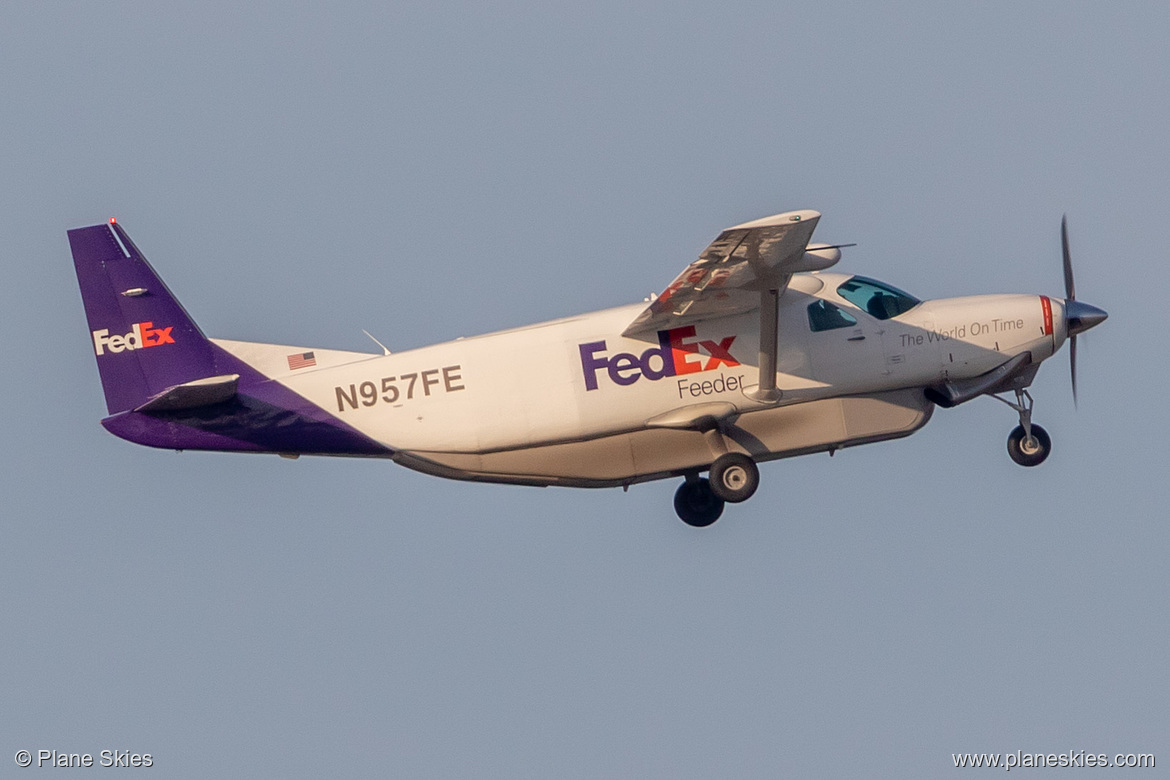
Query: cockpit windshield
[(878, 300)]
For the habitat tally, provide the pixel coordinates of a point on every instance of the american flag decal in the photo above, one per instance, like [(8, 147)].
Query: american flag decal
[(301, 360)]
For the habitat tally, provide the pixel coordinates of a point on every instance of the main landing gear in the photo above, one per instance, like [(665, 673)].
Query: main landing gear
[(1028, 444), (733, 478), (696, 504)]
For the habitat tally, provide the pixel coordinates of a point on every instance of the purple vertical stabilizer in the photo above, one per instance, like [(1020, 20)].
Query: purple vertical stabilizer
[(142, 337)]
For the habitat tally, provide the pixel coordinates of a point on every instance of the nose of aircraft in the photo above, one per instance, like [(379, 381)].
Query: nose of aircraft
[(1082, 316)]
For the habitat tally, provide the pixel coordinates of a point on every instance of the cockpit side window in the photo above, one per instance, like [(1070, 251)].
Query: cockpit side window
[(823, 315), (879, 300)]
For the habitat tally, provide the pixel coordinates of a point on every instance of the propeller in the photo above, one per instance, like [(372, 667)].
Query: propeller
[(1078, 316), (1070, 295)]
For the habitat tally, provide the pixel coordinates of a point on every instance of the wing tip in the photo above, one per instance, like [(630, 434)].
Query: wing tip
[(801, 215)]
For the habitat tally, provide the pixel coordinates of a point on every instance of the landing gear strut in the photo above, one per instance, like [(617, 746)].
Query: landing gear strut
[(1028, 444)]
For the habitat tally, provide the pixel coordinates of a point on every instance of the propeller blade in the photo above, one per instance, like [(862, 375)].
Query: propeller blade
[(1078, 316)]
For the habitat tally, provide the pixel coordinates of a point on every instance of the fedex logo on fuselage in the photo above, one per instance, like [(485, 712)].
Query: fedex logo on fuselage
[(678, 352), (141, 335)]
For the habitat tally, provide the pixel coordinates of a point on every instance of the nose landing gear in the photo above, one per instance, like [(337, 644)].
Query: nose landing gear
[(1028, 444), (1029, 450)]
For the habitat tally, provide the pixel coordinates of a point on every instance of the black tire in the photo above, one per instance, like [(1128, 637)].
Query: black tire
[(696, 505), (734, 477), (1029, 453)]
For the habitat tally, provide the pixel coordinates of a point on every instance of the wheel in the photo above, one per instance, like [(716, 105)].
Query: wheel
[(734, 477), (1029, 452), (696, 504)]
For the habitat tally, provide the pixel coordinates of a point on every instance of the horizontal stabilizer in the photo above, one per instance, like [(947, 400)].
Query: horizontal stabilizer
[(191, 395)]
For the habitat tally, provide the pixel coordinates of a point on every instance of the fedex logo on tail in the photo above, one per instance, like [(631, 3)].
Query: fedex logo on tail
[(141, 335), (678, 352)]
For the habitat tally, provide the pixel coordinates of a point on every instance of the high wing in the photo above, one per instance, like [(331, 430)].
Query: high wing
[(739, 265)]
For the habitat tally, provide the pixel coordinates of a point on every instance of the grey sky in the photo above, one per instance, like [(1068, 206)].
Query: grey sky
[(298, 172)]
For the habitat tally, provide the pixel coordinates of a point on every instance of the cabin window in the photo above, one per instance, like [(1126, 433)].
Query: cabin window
[(823, 315), (878, 300)]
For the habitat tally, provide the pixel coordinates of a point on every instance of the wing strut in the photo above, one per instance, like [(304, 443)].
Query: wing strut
[(766, 391)]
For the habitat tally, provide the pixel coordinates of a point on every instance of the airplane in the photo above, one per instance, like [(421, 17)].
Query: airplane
[(754, 352)]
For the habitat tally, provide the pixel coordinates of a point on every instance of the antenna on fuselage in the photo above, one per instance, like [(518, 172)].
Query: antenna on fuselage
[(380, 344)]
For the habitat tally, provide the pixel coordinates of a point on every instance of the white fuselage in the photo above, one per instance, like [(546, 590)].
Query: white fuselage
[(568, 401)]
